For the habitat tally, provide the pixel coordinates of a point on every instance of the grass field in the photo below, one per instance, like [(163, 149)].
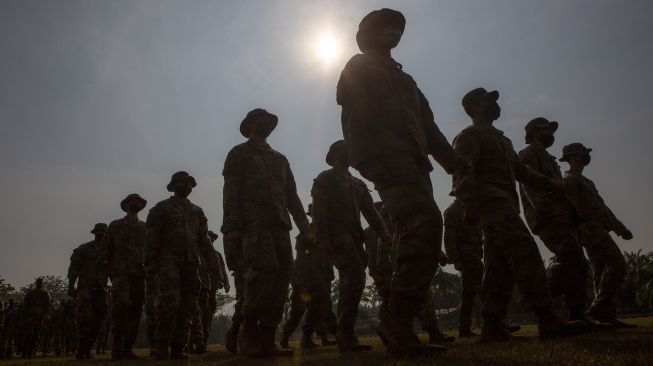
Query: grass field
[(625, 347)]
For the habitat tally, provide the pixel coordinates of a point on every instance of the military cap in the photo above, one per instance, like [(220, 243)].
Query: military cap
[(213, 236), (133, 197), (474, 96), (258, 115), (99, 227), (573, 149), (541, 124), (339, 146), (179, 176), (376, 21)]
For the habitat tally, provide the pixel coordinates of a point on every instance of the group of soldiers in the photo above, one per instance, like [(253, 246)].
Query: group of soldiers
[(168, 265), (37, 323)]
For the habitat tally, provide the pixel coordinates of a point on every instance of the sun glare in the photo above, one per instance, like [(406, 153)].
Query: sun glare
[(327, 48)]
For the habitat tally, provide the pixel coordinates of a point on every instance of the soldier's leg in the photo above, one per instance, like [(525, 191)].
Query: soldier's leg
[(83, 321), (99, 309), (610, 266), (297, 309), (189, 291), (351, 273), (120, 298), (150, 310), (208, 313), (196, 329), (472, 277), (168, 285), (316, 312), (137, 298), (231, 341), (497, 287)]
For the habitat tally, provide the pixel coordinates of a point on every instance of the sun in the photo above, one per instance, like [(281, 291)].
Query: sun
[(327, 48)]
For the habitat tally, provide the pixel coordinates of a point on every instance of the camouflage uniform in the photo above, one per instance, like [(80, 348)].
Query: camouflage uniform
[(56, 329), (201, 314), (551, 218), (259, 191), (102, 342), (149, 309), (91, 299), (37, 309), (464, 245), (511, 254), (176, 235), (69, 328), (8, 331), (123, 256), (218, 280), (596, 222), (390, 131), (338, 201)]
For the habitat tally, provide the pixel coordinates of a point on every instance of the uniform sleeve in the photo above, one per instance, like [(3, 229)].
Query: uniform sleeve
[(527, 175), (231, 193), (106, 249), (153, 227), (295, 206), (451, 223), (371, 214), (573, 194), (540, 199), (203, 241), (464, 182), (223, 270), (437, 143), (320, 211), (75, 266)]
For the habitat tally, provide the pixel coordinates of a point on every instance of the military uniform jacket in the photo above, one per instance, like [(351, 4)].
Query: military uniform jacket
[(489, 186), (259, 189), (591, 209), (84, 267), (175, 229), (123, 248), (37, 301), (384, 114), (462, 241), (338, 201), (542, 208), (10, 322), (214, 269)]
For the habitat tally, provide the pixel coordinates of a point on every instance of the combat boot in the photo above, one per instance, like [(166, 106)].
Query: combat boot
[(162, 352), (401, 341), (306, 341), (349, 343), (495, 331), (437, 337), (231, 338), (79, 354), (466, 331), (607, 316), (550, 326), (284, 340), (117, 346), (177, 351), (268, 345), (324, 338), (249, 340), (127, 352)]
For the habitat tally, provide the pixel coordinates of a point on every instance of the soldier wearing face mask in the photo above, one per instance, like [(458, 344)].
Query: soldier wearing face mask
[(596, 221), (551, 217), (390, 131)]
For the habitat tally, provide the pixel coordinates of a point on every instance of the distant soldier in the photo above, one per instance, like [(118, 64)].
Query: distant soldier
[(259, 192), (551, 217), (390, 131), (339, 199), (489, 196), (69, 327), (103, 338), (91, 297), (596, 222), (8, 330), (176, 236), (56, 328), (200, 314), (464, 245), (123, 257), (219, 280), (37, 309)]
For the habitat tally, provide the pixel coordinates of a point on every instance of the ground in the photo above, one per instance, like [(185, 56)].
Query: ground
[(624, 347)]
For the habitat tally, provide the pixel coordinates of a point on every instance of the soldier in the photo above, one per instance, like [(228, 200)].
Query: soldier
[(259, 191), (8, 330), (150, 311), (219, 280), (551, 218), (56, 328), (464, 246), (596, 221), (200, 314), (489, 196), (122, 259), (91, 291), (176, 236), (389, 129), (102, 342), (69, 328), (37, 309), (338, 201)]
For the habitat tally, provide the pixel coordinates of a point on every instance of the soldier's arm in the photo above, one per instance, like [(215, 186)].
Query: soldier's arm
[(573, 194), (372, 215), (539, 200), (529, 177), (223, 272), (153, 225), (437, 143), (464, 182), (450, 231), (612, 223), (295, 206), (203, 241), (232, 173), (320, 212), (74, 268), (106, 249)]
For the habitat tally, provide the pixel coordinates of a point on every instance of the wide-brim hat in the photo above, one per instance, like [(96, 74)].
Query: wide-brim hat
[(179, 176), (99, 227), (474, 96), (213, 236), (258, 115), (337, 147), (541, 124), (573, 149), (133, 197), (376, 21)]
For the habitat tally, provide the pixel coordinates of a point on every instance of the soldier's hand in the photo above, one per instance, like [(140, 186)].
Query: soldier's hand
[(443, 260), (71, 291), (626, 234), (227, 288)]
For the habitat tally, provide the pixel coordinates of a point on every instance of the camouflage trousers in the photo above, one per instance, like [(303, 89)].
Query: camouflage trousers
[(31, 330), (239, 285), (405, 188), (6, 343), (89, 315), (127, 296), (347, 255), (608, 267), (569, 272), (201, 318), (69, 337), (150, 309), (268, 261), (471, 272), (428, 320), (511, 256), (177, 285), (316, 304)]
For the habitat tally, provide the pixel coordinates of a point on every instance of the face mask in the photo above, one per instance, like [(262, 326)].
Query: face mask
[(133, 208), (183, 189), (546, 140), (263, 130), (585, 160), (390, 37), (493, 111)]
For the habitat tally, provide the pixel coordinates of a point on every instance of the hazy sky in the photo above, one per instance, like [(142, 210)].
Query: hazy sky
[(99, 99)]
